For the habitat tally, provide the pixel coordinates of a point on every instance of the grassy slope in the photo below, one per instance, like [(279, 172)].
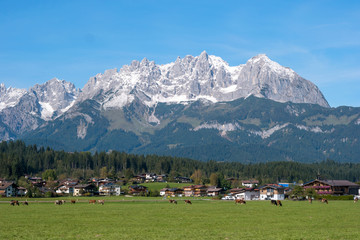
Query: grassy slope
[(201, 220)]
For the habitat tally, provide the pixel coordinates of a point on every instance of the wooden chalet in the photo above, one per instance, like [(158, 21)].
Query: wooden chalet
[(173, 192), (137, 189), (333, 187)]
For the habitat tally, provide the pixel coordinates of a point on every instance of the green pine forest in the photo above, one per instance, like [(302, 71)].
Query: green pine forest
[(17, 159)]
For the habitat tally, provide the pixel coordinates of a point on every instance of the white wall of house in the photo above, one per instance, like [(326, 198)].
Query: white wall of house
[(272, 196), (248, 195)]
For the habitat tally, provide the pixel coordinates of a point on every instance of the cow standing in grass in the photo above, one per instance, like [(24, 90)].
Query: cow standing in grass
[(101, 202), (241, 201), (58, 202), (92, 201), (73, 201), (25, 203), (324, 200), (187, 202), (356, 200), (172, 201), (14, 202)]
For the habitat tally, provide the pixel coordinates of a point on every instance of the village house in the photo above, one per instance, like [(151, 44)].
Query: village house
[(235, 191), (21, 191), (65, 189), (173, 192), (163, 191), (249, 183), (183, 180), (214, 191), (137, 189), (248, 194), (195, 190), (333, 187), (272, 192), (84, 189), (110, 189), (7, 189)]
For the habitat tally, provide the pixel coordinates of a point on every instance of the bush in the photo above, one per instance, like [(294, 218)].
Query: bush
[(342, 197)]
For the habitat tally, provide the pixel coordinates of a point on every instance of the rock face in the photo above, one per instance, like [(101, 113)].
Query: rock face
[(207, 77), (24, 111)]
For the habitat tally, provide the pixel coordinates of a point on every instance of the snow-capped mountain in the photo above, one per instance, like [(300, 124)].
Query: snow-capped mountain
[(197, 107), (9, 97), (201, 77), (25, 110), (54, 97)]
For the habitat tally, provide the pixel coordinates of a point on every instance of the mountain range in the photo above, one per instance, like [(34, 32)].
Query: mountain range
[(197, 107)]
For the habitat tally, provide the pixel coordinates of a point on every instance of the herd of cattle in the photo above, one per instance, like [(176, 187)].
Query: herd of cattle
[(102, 202)]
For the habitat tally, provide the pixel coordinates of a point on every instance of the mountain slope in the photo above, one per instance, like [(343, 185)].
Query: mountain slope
[(246, 130)]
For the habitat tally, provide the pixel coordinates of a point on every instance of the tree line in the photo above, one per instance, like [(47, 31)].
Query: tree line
[(17, 159)]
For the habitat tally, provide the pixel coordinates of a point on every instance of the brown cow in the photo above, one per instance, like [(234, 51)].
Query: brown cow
[(14, 202), (101, 202), (279, 203), (92, 201), (324, 200), (73, 201), (310, 200), (241, 201), (187, 202), (58, 202), (25, 203), (172, 201), (356, 199)]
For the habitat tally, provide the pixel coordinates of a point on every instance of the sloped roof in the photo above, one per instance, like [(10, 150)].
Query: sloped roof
[(335, 183)]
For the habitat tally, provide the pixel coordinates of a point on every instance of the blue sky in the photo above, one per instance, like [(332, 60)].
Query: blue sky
[(74, 40)]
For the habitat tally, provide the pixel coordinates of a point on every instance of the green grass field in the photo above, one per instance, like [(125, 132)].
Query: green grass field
[(154, 218)]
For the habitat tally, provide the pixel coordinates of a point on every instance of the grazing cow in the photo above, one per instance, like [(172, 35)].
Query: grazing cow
[(279, 203), (187, 202), (310, 200), (101, 202), (172, 201), (58, 202), (63, 201), (324, 200), (273, 202), (241, 201), (356, 199), (25, 203), (14, 202), (92, 201), (73, 201)]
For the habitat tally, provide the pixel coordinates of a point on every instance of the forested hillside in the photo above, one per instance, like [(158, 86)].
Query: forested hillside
[(17, 159)]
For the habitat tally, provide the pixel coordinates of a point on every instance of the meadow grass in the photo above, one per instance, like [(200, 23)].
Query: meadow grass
[(154, 218)]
